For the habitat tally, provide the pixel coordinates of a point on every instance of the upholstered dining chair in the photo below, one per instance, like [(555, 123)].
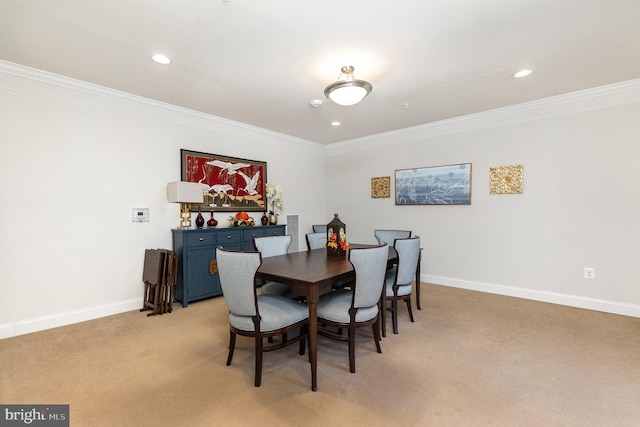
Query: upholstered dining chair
[(271, 246), (258, 316), (316, 240), (319, 228), (359, 306), (398, 280), (389, 236)]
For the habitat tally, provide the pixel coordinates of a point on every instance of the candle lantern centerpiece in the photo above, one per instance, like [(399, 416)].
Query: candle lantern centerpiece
[(337, 244)]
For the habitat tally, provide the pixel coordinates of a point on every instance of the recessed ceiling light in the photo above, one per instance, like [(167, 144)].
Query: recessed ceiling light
[(521, 73), (335, 123), (161, 59)]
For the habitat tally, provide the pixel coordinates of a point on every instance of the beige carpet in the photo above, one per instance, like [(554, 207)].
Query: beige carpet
[(470, 359)]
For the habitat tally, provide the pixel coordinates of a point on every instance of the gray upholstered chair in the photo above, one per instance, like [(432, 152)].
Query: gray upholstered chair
[(258, 316), (389, 236), (271, 246), (398, 280), (319, 228), (359, 306), (316, 240)]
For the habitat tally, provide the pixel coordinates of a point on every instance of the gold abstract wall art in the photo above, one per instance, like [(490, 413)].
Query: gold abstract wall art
[(506, 179), (381, 187)]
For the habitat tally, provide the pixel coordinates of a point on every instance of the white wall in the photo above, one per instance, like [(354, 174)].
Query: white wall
[(75, 158), (579, 208)]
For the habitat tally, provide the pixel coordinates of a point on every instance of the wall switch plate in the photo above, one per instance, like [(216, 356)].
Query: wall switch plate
[(589, 273), (140, 214)]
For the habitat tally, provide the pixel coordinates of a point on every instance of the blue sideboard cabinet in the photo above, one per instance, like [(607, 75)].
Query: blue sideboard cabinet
[(196, 249)]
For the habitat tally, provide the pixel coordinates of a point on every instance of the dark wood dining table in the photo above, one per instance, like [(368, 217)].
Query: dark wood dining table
[(311, 274)]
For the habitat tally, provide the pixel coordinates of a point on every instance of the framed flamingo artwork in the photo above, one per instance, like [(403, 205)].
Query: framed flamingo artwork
[(230, 184)]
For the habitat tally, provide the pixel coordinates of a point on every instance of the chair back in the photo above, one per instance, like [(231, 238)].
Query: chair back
[(389, 236), (316, 240), (408, 254), (370, 265), (272, 245), (237, 272), (319, 228)]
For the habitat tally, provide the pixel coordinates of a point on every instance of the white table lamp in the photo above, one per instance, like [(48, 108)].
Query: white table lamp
[(185, 193)]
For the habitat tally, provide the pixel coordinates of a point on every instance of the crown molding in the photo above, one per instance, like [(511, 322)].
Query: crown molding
[(622, 93), (101, 97), (616, 94)]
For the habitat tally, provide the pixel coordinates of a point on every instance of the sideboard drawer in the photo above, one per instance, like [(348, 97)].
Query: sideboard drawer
[(230, 238), (198, 239), (248, 235)]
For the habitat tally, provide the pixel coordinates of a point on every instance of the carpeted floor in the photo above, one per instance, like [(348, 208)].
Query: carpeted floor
[(470, 359)]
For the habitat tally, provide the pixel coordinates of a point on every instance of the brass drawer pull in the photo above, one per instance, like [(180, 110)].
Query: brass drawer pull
[(202, 239)]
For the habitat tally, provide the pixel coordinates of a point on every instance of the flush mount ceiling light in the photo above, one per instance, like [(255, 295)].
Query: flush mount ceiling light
[(348, 91)]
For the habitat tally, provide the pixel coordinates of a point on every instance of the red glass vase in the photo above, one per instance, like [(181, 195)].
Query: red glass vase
[(212, 221)]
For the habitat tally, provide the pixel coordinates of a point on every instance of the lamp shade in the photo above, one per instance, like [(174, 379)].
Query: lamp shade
[(348, 91), (184, 192)]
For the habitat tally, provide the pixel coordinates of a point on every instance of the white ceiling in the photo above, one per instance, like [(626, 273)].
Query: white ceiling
[(260, 62)]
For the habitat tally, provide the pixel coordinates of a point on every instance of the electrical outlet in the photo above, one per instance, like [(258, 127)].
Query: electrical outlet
[(589, 273)]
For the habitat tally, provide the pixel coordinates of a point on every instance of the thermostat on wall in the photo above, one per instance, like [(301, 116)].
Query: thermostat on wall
[(140, 214)]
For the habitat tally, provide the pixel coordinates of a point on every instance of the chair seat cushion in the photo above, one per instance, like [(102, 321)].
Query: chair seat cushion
[(402, 290), (335, 306), (276, 312)]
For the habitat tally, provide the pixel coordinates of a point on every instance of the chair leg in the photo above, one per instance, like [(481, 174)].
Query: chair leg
[(409, 307), (352, 348), (394, 315), (232, 346), (258, 373), (383, 314), (376, 336), (303, 330)]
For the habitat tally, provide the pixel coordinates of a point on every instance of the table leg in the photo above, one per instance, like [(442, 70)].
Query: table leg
[(313, 343), (418, 282)]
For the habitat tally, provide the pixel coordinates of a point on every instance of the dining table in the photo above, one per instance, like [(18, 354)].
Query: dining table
[(312, 274)]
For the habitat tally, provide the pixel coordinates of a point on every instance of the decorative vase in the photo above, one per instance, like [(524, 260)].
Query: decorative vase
[(273, 219), (199, 220), (265, 219), (212, 221)]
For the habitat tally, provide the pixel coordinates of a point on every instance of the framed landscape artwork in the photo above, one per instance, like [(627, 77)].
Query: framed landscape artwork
[(230, 184), (437, 185)]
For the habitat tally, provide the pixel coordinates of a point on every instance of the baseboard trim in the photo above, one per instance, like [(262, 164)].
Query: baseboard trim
[(28, 326), (536, 295)]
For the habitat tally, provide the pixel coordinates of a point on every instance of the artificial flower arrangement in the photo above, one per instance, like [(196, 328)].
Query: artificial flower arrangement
[(241, 219), (274, 197), (333, 244)]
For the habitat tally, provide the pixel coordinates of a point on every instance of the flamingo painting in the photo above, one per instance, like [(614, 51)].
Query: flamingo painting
[(250, 183)]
